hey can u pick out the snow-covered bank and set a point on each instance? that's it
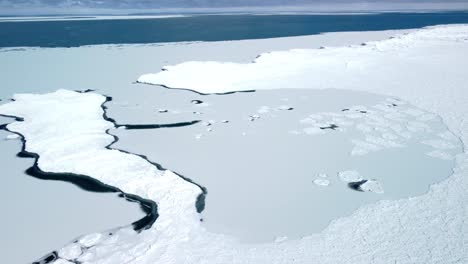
(426, 57)
(427, 229)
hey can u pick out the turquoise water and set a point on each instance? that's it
(207, 28)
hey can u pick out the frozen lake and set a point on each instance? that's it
(284, 163)
(78, 208)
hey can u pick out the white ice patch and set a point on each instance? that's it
(350, 176)
(372, 186)
(90, 240)
(72, 251)
(322, 182)
(12, 137)
(285, 108)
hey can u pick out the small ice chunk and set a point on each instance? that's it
(209, 129)
(198, 136)
(225, 121)
(209, 122)
(254, 117)
(371, 186)
(286, 108)
(12, 137)
(349, 176)
(196, 102)
(71, 251)
(440, 155)
(322, 182)
(163, 111)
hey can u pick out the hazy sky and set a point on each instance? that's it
(64, 6)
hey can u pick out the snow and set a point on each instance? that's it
(380, 63)
(427, 229)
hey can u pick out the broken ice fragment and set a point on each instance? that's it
(350, 176)
(197, 102)
(12, 137)
(322, 182)
(367, 186)
(254, 117)
(285, 107)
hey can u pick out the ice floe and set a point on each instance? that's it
(322, 182)
(367, 186)
(350, 176)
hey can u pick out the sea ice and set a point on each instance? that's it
(402, 230)
(322, 182)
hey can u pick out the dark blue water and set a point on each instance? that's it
(207, 28)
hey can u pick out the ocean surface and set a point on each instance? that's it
(75, 33)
